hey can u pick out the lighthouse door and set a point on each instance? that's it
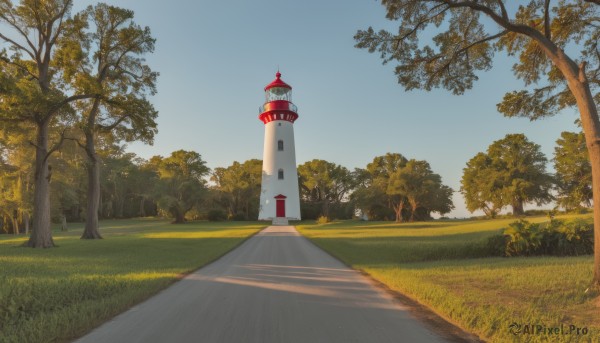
(280, 208)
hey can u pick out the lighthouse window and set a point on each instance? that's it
(280, 145)
(280, 174)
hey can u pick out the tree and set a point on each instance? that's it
(407, 187)
(122, 78)
(573, 171)
(544, 34)
(511, 173)
(369, 199)
(239, 185)
(33, 92)
(479, 188)
(181, 185)
(376, 179)
(324, 183)
(421, 188)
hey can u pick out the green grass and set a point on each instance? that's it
(442, 265)
(58, 294)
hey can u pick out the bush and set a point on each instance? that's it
(557, 238)
(524, 238)
(575, 238)
(216, 215)
(322, 220)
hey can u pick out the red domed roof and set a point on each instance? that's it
(277, 83)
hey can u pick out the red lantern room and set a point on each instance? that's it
(278, 102)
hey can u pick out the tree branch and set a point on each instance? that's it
(459, 51)
(57, 145)
(13, 23)
(547, 31)
(503, 9)
(18, 46)
(76, 141)
(69, 100)
(550, 48)
(423, 21)
(20, 67)
(107, 128)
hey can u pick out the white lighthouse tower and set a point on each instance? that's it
(279, 196)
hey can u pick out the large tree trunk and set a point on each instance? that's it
(41, 235)
(594, 151)
(91, 230)
(178, 215)
(579, 86)
(93, 195)
(517, 206)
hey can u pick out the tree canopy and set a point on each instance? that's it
(239, 188)
(407, 187)
(573, 171)
(181, 185)
(324, 184)
(511, 173)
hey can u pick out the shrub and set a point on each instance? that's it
(216, 215)
(557, 238)
(524, 238)
(576, 238)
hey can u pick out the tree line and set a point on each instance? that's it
(509, 174)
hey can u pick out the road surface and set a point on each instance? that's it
(275, 287)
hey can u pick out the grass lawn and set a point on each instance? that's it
(58, 294)
(442, 264)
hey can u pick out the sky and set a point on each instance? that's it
(215, 57)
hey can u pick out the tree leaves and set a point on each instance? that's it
(573, 171)
(511, 173)
(468, 34)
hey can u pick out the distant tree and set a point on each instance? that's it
(573, 171)
(539, 32)
(513, 173)
(479, 186)
(407, 187)
(142, 179)
(369, 199)
(421, 188)
(373, 184)
(239, 187)
(181, 185)
(324, 183)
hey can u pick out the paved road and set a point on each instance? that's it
(276, 287)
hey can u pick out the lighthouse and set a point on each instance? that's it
(279, 196)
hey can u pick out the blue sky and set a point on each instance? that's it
(215, 57)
